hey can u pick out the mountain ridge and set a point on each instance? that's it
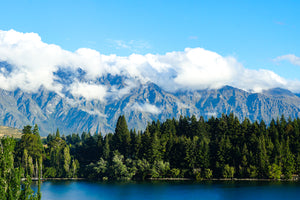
(140, 105)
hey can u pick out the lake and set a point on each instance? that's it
(187, 190)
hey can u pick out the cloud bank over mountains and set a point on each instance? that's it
(35, 64)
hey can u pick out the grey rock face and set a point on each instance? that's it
(140, 105)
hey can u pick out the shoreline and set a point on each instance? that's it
(64, 179)
(175, 179)
(223, 179)
(57, 179)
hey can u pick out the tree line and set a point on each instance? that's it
(186, 147)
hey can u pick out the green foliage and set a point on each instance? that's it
(121, 138)
(36, 131)
(118, 169)
(175, 172)
(288, 161)
(101, 167)
(252, 171)
(188, 147)
(29, 151)
(228, 171)
(197, 173)
(10, 176)
(143, 169)
(74, 168)
(58, 157)
(274, 171)
(27, 129)
(297, 164)
(160, 169)
(67, 162)
(207, 174)
(57, 133)
(193, 148)
(32, 144)
(50, 172)
(106, 148)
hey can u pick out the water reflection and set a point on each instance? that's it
(172, 190)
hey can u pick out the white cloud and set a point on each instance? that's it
(211, 114)
(116, 93)
(258, 80)
(183, 106)
(131, 45)
(94, 112)
(89, 91)
(146, 107)
(200, 69)
(35, 62)
(290, 58)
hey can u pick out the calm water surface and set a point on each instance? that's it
(80, 190)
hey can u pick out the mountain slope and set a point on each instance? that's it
(10, 132)
(140, 104)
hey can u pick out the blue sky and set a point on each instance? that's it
(254, 32)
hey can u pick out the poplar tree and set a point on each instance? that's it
(10, 176)
(67, 161)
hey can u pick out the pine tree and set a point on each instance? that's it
(31, 142)
(262, 157)
(136, 142)
(155, 148)
(36, 130)
(57, 133)
(145, 151)
(288, 166)
(106, 148)
(27, 130)
(121, 137)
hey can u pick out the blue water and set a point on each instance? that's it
(80, 190)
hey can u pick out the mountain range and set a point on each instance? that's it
(141, 103)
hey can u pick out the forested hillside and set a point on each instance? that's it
(189, 147)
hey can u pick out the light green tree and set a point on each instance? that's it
(207, 174)
(228, 171)
(101, 168)
(160, 169)
(10, 177)
(30, 166)
(74, 168)
(118, 169)
(275, 171)
(67, 161)
(143, 168)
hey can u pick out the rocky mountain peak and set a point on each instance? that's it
(140, 103)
